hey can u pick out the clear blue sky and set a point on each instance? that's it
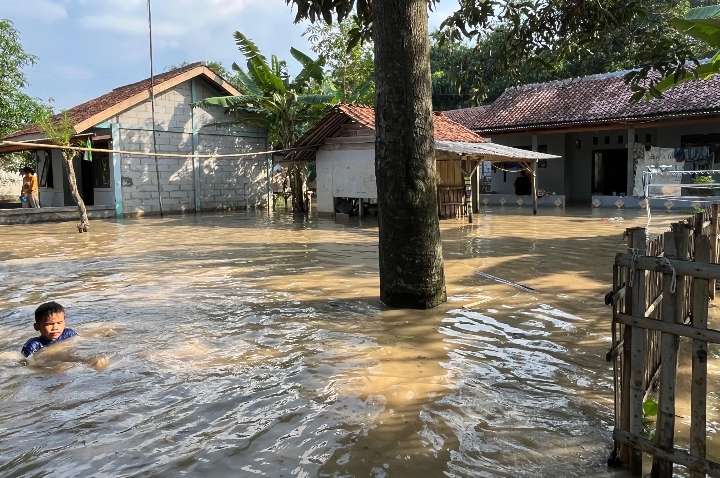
(88, 47)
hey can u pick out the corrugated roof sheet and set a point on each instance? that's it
(490, 151)
(593, 99)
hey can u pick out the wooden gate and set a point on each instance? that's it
(661, 291)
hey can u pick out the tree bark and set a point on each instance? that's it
(298, 188)
(84, 225)
(411, 264)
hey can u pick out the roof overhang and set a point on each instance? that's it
(602, 125)
(492, 152)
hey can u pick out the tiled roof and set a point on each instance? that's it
(590, 100)
(90, 108)
(445, 128)
(465, 116)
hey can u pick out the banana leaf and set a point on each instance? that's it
(246, 80)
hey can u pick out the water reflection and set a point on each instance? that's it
(245, 345)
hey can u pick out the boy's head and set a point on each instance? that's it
(50, 320)
(28, 170)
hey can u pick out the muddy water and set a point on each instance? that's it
(242, 345)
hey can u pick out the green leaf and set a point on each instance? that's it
(650, 408)
(246, 80)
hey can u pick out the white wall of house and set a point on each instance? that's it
(51, 196)
(551, 178)
(224, 182)
(572, 175)
(10, 185)
(344, 173)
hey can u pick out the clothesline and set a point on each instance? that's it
(141, 153)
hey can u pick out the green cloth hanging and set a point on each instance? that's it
(89, 153)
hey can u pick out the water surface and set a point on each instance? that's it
(242, 345)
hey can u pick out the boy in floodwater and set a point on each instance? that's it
(50, 322)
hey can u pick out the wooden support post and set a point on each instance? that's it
(468, 197)
(534, 174)
(714, 212)
(636, 338)
(626, 360)
(676, 247)
(698, 393)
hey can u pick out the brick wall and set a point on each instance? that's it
(224, 183)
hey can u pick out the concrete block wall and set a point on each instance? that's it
(224, 183)
(229, 183)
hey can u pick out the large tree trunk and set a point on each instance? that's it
(84, 224)
(411, 264)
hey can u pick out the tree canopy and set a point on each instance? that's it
(17, 109)
(350, 70)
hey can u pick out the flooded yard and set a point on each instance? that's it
(247, 345)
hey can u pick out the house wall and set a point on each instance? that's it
(551, 178)
(55, 196)
(344, 173)
(225, 183)
(572, 175)
(10, 185)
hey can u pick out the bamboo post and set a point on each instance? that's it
(635, 336)
(534, 186)
(626, 358)
(698, 392)
(676, 243)
(468, 197)
(714, 212)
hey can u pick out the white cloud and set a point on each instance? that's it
(44, 11)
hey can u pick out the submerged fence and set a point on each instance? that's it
(661, 292)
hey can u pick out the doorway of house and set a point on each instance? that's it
(609, 172)
(87, 191)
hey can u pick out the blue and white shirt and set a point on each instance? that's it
(37, 343)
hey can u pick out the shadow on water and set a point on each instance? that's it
(244, 345)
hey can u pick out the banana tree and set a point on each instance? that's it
(702, 24)
(284, 107)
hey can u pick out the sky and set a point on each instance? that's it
(88, 47)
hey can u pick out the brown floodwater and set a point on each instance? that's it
(247, 345)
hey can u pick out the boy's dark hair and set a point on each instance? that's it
(48, 309)
(28, 169)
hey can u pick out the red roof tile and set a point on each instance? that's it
(445, 128)
(593, 99)
(90, 108)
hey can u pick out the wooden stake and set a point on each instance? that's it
(714, 212)
(626, 360)
(636, 337)
(698, 392)
(675, 244)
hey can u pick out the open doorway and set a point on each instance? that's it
(609, 172)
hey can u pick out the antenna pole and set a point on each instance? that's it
(152, 109)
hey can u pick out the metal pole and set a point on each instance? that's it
(152, 109)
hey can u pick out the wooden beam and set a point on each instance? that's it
(636, 363)
(675, 456)
(658, 264)
(347, 147)
(350, 139)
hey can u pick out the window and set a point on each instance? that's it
(595, 140)
(607, 139)
(46, 173)
(648, 138)
(621, 139)
(101, 168)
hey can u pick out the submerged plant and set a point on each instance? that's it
(650, 409)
